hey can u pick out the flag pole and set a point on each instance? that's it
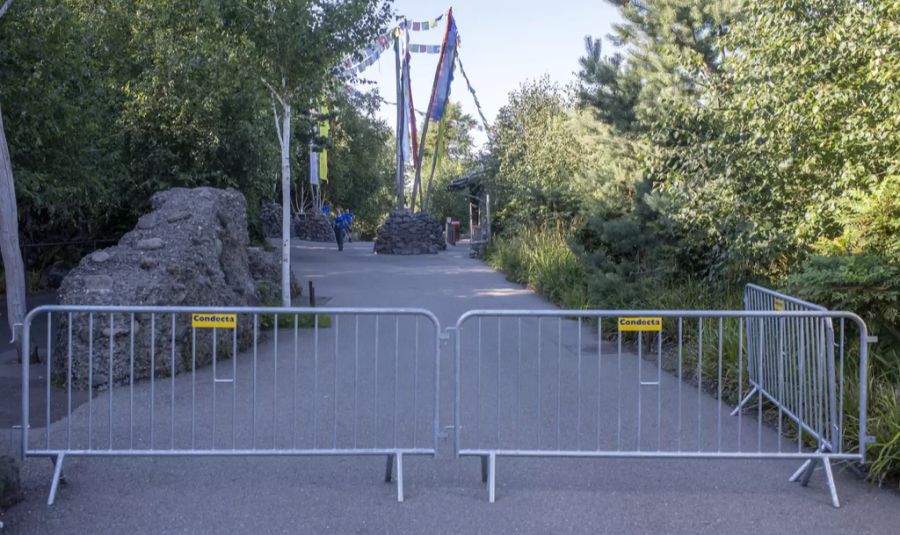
(400, 119)
(437, 74)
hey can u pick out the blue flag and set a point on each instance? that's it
(445, 71)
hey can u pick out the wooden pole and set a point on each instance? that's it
(400, 122)
(437, 74)
(434, 159)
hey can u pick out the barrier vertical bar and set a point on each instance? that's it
(234, 350)
(355, 380)
(68, 389)
(599, 373)
(740, 397)
(275, 385)
(294, 385)
(578, 397)
(699, 384)
(640, 383)
(396, 377)
(558, 379)
(109, 379)
(499, 353)
(172, 372)
(680, 378)
(90, 381)
(215, 359)
(719, 396)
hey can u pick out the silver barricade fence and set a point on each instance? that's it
(223, 381)
(624, 383)
(805, 347)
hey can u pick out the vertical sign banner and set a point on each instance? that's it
(313, 167)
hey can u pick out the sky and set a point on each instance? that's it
(503, 43)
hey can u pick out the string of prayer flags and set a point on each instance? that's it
(425, 49)
(472, 90)
(421, 26)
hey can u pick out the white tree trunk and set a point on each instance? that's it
(13, 267)
(285, 204)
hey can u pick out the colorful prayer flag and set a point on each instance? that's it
(441, 91)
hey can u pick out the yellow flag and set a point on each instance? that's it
(323, 166)
(324, 129)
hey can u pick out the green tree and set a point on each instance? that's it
(535, 156)
(295, 45)
(454, 158)
(360, 164)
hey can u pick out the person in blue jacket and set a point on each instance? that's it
(340, 227)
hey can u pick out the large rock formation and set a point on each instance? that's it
(404, 233)
(265, 267)
(191, 250)
(270, 218)
(314, 227)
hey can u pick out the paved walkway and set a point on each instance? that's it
(313, 495)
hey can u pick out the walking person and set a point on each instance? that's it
(340, 226)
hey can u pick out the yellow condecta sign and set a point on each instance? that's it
(201, 320)
(779, 304)
(640, 324)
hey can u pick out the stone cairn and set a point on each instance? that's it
(404, 233)
(191, 250)
(314, 227)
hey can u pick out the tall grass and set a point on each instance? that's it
(544, 262)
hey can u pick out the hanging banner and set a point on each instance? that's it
(323, 166)
(441, 90)
(313, 167)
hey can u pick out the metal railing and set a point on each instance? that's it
(212, 381)
(636, 383)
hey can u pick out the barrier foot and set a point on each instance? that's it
(800, 471)
(744, 401)
(400, 477)
(484, 468)
(492, 477)
(57, 476)
(804, 479)
(389, 468)
(829, 477)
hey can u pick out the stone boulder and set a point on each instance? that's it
(404, 233)
(190, 250)
(10, 483)
(270, 218)
(265, 267)
(314, 227)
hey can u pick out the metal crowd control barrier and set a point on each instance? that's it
(804, 347)
(623, 383)
(329, 381)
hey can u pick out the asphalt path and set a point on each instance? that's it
(368, 384)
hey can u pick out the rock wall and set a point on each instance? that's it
(190, 250)
(404, 234)
(314, 227)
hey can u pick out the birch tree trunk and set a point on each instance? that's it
(285, 140)
(13, 266)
